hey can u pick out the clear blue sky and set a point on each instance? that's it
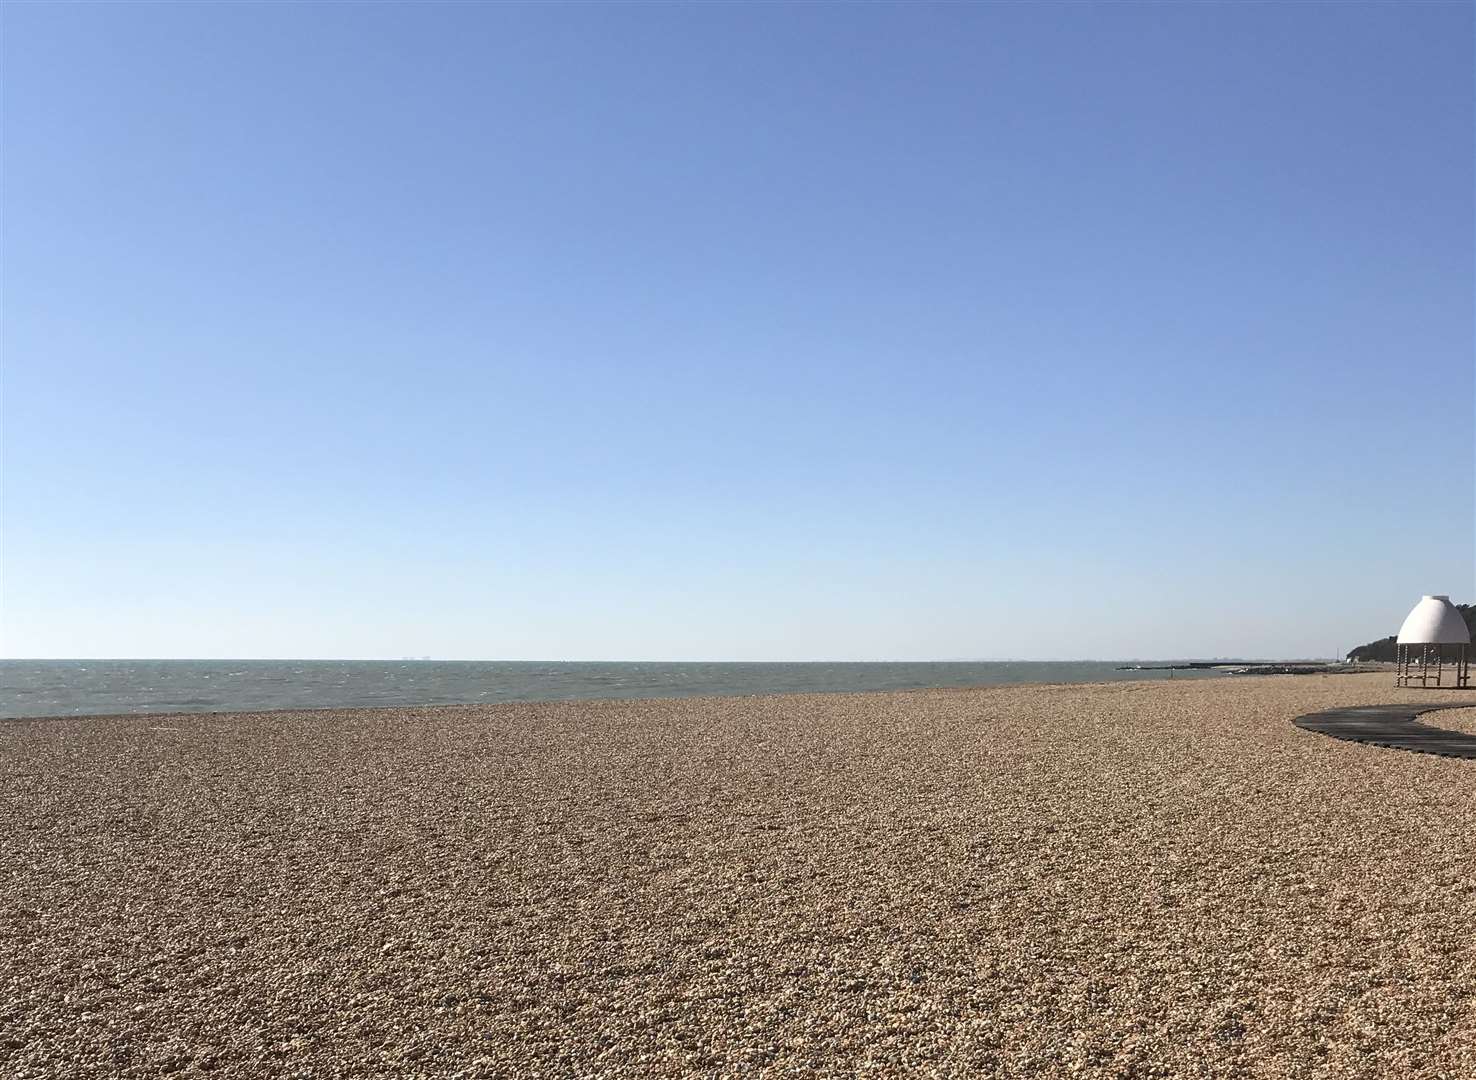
(734, 332)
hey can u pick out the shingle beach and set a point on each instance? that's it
(1131, 879)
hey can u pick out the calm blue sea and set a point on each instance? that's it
(93, 687)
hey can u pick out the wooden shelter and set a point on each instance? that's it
(1433, 635)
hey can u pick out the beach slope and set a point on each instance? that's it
(1130, 879)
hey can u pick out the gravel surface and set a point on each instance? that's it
(1130, 879)
(1463, 720)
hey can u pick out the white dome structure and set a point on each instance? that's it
(1433, 632)
(1434, 621)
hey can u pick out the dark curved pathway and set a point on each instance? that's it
(1393, 726)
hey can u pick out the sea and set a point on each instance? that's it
(31, 688)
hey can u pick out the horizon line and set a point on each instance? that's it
(486, 660)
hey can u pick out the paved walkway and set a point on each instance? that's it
(1393, 726)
